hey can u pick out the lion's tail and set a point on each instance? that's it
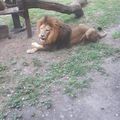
(101, 33)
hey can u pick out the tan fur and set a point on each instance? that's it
(84, 33)
(78, 34)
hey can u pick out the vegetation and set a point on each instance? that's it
(116, 35)
(84, 59)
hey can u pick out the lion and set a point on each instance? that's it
(55, 34)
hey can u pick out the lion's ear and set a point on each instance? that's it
(58, 23)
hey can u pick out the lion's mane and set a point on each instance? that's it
(60, 35)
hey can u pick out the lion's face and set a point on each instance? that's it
(44, 31)
(48, 29)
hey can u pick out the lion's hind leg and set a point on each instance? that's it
(91, 35)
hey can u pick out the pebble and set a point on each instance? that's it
(116, 115)
(62, 116)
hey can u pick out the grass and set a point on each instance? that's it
(103, 13)
(84, 59)
(74, 85)
(116, 35)
(2, 67)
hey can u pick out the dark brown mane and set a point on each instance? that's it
(63, 30)
(64, 37)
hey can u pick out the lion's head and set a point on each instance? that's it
(52, 31)
(48, 29)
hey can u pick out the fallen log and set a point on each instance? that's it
(67, 9)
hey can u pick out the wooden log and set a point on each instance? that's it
(2, 6)
(68, 9)
(27, 20)
(4, 31)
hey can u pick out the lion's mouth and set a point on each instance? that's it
(42, 40)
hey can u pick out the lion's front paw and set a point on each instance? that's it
(36, 45)
(30, 51)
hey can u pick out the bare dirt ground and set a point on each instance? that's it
(101, 101)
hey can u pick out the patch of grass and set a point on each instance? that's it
(1, 116)
(116, 35)
(74, 85)
(103, 13)
(36, 62)
(84, 59)
(29, 90)
(2, 67)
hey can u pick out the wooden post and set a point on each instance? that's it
(16, 21)
(27, 19)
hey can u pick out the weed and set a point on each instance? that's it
(47, 104)
(73, 85)
(36, 62)
(1, 116)
(3, 67)
(116, 35)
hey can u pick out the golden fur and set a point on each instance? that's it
(53, 33)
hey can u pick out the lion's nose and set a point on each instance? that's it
(42, 36)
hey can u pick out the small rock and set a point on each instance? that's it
(62, 116)
(25, 64)
(102, 108)
(116, 115)
(33, 115)
(71, 115)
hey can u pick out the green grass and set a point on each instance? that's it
(103, 13)
(3, 67)
(1, 116)
(74, 85)
(84, 59)
(116, 35)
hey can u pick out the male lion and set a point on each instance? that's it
(54, 34)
